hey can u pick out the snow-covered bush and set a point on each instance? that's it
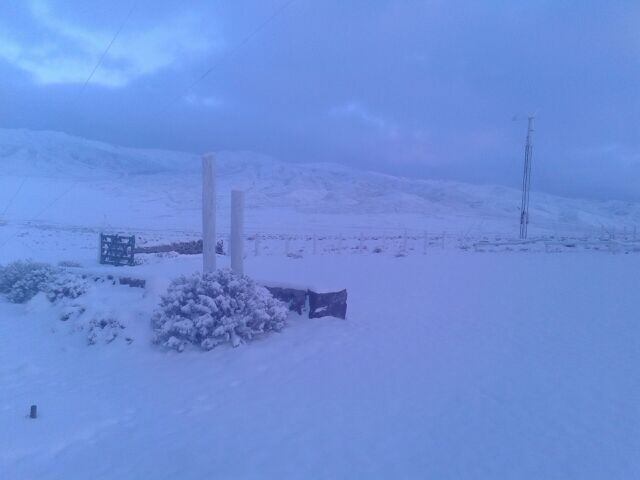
(104, 330)
(69, 264)
(22, 280)
(212, 309)
(65, 285)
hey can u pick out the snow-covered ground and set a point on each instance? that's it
(456, 365)
(471, 356)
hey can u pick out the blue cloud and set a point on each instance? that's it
(414, 87)
(69, 51)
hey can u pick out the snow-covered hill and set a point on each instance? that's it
(152, 188)
(53, 154)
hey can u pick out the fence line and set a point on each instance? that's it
(398, 242)
(402, 244)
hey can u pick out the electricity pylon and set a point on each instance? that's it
(526, 181)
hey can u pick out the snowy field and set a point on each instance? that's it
(456, 365)
(466, 354)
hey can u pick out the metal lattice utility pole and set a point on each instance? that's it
(526, 181)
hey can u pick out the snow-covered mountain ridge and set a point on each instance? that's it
(169, 181)
(54, 154)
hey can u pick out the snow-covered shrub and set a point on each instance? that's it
(72, 312)
(65, 285)
(104, 330)
(22, 280)
(212, 309)
(69, 264)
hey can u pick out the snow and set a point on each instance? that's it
(450, 366)
(83, 183)
(477, 357)
(208, 310)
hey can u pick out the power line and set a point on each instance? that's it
(84, 86)
(106, 51)
(15, 195)
(43, 210)
(230, 53)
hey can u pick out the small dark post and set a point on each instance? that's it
(34, 411)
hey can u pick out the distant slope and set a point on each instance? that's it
(53, 154)
(152, 187)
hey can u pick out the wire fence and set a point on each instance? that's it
(406, 244)
(385, 241)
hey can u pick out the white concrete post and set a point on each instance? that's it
(237, 232)
(208, 214)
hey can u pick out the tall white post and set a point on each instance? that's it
(208, 214)
(237, 232)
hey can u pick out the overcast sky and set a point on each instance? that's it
(414, 87)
